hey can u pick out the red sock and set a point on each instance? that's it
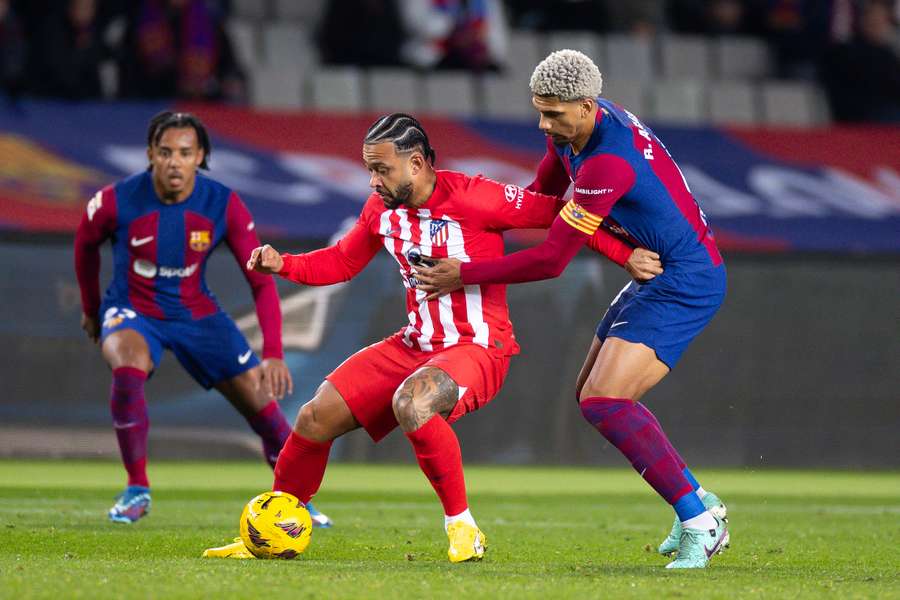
(439, 456)
(129, 416)
(301, 466)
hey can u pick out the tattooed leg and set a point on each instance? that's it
(427, 392)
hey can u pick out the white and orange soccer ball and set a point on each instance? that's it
(275, 525)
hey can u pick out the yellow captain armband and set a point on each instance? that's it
(582, 220)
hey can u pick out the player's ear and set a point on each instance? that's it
(416, 162)
(587, 104)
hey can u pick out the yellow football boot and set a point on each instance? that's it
(467, 542)
(234, 550)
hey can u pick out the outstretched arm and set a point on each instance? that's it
(552, 179)
(327, 266)
(602, 181)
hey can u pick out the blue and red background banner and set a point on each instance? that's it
(301, 173)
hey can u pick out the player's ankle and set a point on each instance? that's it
(704, 520)
(465, 516)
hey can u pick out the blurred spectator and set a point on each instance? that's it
(572, 15)
(716, 17)
(862, 76)
(361, 32)
(67, 61)
(799, 31)
(455, 34)
(637, 17)
(13, 51)
(179, 48)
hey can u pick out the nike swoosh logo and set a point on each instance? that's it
(711, 551)
(140, 242)
(617, 324)
(243, 358)
(250, 226)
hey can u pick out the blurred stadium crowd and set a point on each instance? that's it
(689, 61)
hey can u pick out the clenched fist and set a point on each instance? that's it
(265, 259)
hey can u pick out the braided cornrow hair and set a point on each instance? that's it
(406, 133)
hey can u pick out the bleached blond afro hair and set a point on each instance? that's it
(568, 75)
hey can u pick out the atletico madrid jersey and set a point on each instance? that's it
(464, 218)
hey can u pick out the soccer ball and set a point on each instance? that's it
(275, 525)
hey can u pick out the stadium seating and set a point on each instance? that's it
(741, 58)
(675, 79)
(629, 93)
(245, 40)
(275, 87)
(338, 89)
(628, 57)
(684, 57)
(307, 11)
(251, 9)
(733, 103)
(394, 90)
(585, 42)
(796, 104)
(506, 97)
(451, 94)
(679, 102)
(288, 45)
(526, 49)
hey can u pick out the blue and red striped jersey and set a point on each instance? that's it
(160, 252)
(626, 181)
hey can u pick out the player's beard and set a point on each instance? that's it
(396, 199)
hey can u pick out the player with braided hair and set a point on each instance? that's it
(452, 356)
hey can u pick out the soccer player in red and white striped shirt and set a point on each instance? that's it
(453, 355)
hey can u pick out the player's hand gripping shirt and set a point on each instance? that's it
(160, 252)
(464, 218)
(625, 182)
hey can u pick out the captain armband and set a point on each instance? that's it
(579, 218)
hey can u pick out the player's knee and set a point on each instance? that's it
(126, 351)
(325, 417)
(307, 424)
(404, 404)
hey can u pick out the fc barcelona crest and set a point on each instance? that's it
(200, 240)
(440, 232)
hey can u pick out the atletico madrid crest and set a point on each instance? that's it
(440, 232)
(200, 240)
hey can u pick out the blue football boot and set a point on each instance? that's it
(131, 505)
(318, 519)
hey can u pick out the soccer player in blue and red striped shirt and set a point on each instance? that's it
(163, 224)
(625, 181)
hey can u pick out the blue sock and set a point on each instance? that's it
(690, 477)
(689, 506)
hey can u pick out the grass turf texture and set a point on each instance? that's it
(552, 533)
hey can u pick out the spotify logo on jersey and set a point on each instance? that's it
(145, 268)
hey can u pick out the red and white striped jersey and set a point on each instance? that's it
(464, 218)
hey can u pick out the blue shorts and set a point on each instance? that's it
(211, 349)
(667, 312)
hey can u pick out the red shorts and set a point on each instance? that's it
(368, 379)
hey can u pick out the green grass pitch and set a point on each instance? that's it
(552, 533)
